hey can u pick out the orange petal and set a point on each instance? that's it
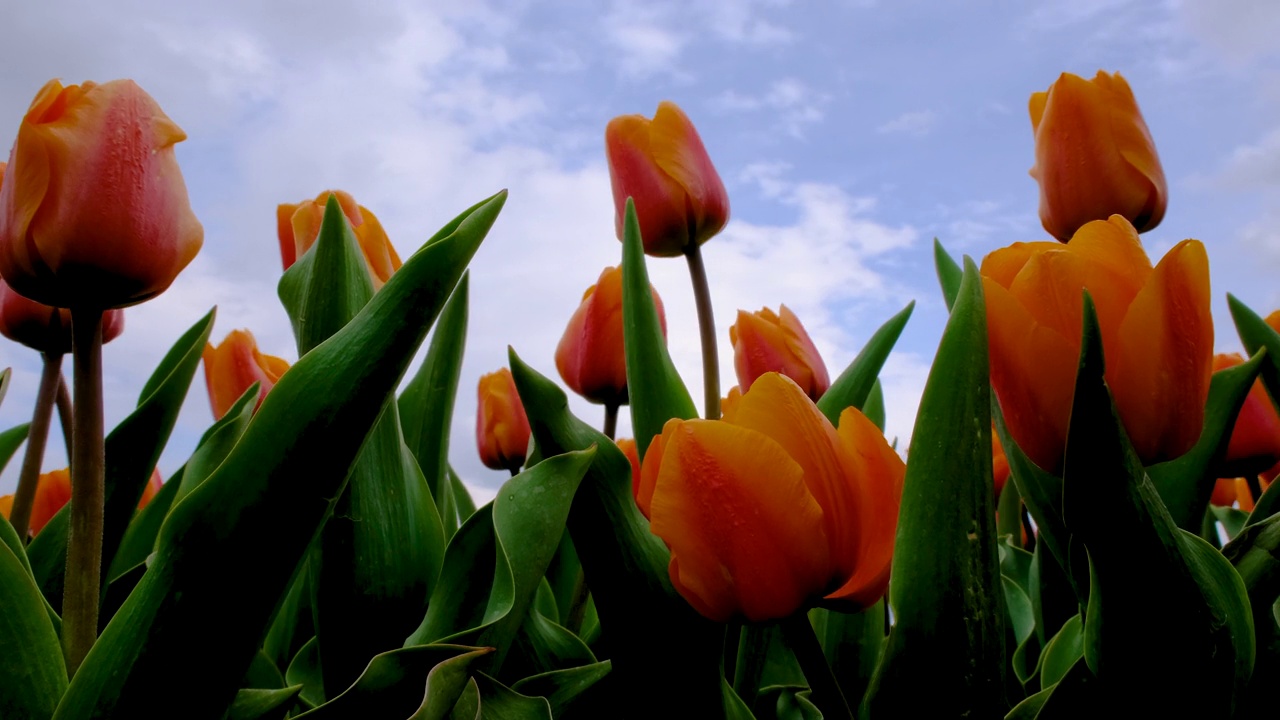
(1003, 265)
(678, 151)
(661, 202)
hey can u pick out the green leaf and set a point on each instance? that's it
(1267, 505)
(262, 704)
(461, 496)
(873, 408)
(30, 653)
(1228, 599)
(140, 537)
(949, 273)
(10, 538)
(403, 683)
(562, 687)
(227, 553)
(1018, 604)
(304, 670)
(944, 591)
(854, 385)
(6, 376)
(1075, 696)
(788, 702)
(655, 389)
(11, 440)
(263, 673)
(852, 643)
(543, 646)
(1009, 513)
(488, 699)
(293, 625)
(1255, 554)
(217, 441)
(1062, 652)
(1232, 519)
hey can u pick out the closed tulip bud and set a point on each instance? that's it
(590, 356)
(502, 428)
(231, 367)
(298, 225)
(662, 165)
(1157, 336)
(53, 490)
(1094, 156)
(45, 328)
(93, 209)
(771, 509)
(765, 341)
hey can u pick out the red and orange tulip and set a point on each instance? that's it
(1157, 336)
(766, 341)
(1255, 440)
(298, 225)
(231, 367)
(502, 428)
(44, 328)
(771, 509)
(53, 490)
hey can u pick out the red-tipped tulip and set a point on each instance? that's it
(44, 328)
(502, 428)
(231, 367)
(765, 341)
(298, 225)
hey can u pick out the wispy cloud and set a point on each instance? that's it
(916, 122)
(795, 105)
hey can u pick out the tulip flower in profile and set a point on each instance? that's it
(43, 328)
(502, 428)
(1157, 336)
(53, 490)
(1255, 439)
(766, 341)
(771, 509)
(298, 225)
(231, 367)
(1094, 156)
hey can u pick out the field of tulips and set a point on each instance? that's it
(1084, 519)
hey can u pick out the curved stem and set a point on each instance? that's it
(65, 414)
(24, 497)
(84, 541)
(798, 634)
(707, 330)
(610, 419)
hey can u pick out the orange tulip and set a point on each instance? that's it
(231, 367)
(628, 448)
(590, 355)
(151, 488)
(93, 210)
(1157, 336)
(44, 328)
(999, 465)
(767, 342)
(1255, 440)
(662, 165)
(298, 225)
(502, 428)
(1094, 156)
(53, 490)
(772, 509)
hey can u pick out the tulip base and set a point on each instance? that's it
(706, 329)
(24, 496)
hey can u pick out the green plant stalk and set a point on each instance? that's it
(65, 414)
(707, 330)
(798, 635)
(753, 648)
(610, 419)
(37, 435)
(88, 467)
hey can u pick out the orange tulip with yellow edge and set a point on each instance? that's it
(231, 367)
(766, 341)
(298, 225)
(771, 510)
(1094, 156)
(1157, 336)
(502, 428)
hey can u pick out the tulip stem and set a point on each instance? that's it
(753, 651)
(610, 419)
(24, 497)
(65, 413)
(88, 466)
(798, 635)
(707, 329)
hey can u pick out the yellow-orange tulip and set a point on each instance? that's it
(298, 225)
(663, 166)
(231, 367)
(1094, 156)
(1156, 330)
(766, 341)
(44, 328)
(771, 509)
(502, 428)
(93, 210)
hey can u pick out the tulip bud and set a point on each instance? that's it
(53, 490)
(768, 342)
(231, 367)
(1255, 439)
(298, 225)
(502, 428)
(93, 210)
(1094, 156)
(662, 165)
(43, 328)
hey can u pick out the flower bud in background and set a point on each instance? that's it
(53, 490)
(151, 488)
(502, 428)
(1255, 439)
(231, 367)
(662, 165)
(629, 448)
(93, 209)
(43, 328)
(590, 356)
(298, 225)
(1094, 156)
(767, 342)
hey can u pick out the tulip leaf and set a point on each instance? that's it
(226, 555)
(852, 643)
(305, 670)
(1018, 604)
(1009, 511)
(873, 408)
(543, 645)
(626, 567)
(293, 625)
(6, 376)
(262, 673)
(30, 652)
(1255, 554)
(401, 683)
(945, 593)
(854, 385)
(10, 441)
(655, 389)
(1062, 652)
(426, 405)
(217, 441)
(488, 699)
(1233, 520)
(140, 537)
(262, 704)
(461, 496)
(949, 273)
(1075, 696)
(562, 687)
(9, 537)
(1051, 594)
(1267, 505)
(787, 702)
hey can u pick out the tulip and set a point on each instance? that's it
(53, 490)
(767, 342)
(502, 428)
(43, 328)
(629, 448)
(298, 225)
(662, 165)
(1094, 156)
(590, 355)
(93, 210)
(1156, 330)
(231, 367)
(1255, 440)
(771, 509)
(999, 465)
(151, 488)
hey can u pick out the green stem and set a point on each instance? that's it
(753, 651)
(84, 541)
(24, 497)
(798, 635)
(65, 412)
(610, 419)
(578, 603)
(707, 330)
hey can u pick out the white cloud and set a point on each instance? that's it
(1244, 31)
(916, 122)
(644, 35)
(1253, 166)
(794, 104)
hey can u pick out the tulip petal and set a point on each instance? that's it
(284, 232)
(661, 202)
(651, 467)
(1135, 144)
(679, 151)
(1003, 265)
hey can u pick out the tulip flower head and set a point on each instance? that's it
(1157, 337)
(766, 341)
(53, 490)
(1255, 439)
(231, 367)
(93, 209)
(662, 165)
(629, 448)
(298, 225)
(43, 328)
(771, 509)
(1094, 156)
(502, 428)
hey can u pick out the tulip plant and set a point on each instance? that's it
(1065, 534)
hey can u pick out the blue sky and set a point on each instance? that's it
(849, 135)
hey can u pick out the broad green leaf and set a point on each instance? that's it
(1228, 599)
(466, 581)
(461, 496)
(292, 626)
(1062, 652)
(852, 643)
(854, 385)
(873, 408)
(217, 441)
(117, 591)
(1267, 505)
(1232, 519)
(1029, 708)
(9, 537)
(10, 441)
(1026, 663)
(562, 687)
(1255, 554)
(305, 670)
(34, 676)
(140, 537)
(787, 702)
(5, 377)
(945, 593)
(262, 704)
(488, 699)
(227, 553)
(263, 673)
(764, 659)
(396, 683)
(1076, 695)
(1051, 594)
(1019, 608)
(1015, 563)
(949, 273)
(543, 645)
(1009, 512)
(568, 584)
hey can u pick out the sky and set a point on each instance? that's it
(849, 134)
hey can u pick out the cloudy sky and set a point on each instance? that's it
(849, 134)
